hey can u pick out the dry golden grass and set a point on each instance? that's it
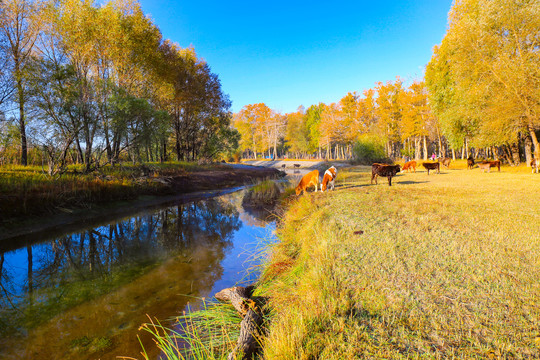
(433, 267)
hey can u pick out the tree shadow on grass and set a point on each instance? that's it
(409, 182)
(351, 186)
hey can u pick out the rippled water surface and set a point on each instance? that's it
(83, 295)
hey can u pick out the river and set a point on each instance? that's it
(84, 294)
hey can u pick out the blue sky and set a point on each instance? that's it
(292, 53)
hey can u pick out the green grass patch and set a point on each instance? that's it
(438, 266)
(86, 344)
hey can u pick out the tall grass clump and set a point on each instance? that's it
(263, 194)
(444, 266)
(209, 333)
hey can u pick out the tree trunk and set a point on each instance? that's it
(425, 148)
(528, 152)
(534, 141)
(22, 123)
(247, 343)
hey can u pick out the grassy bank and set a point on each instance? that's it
(436, 266)
(27, 191)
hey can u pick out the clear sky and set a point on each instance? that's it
(292, 53)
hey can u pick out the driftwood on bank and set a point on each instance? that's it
(240, 297)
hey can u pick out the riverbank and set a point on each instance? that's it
(31, 201)
(435, 266)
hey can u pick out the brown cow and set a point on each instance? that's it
(384, 170)
(310, 179)
(432, 166)
(470, 163)
(445, 161)
(535, 165)
(409, 165)
(484, 166)
(495, 163)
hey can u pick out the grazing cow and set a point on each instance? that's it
(384, 170)
(445, 161)
(310, 179)
(328, 178)
(484, 166)
(409, 165)
(432, 166)
(495, 163)
(535, 165)
(470, 163)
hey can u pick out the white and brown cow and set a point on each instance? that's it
(535, 165)
(328, 178)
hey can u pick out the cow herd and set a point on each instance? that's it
(389, 171)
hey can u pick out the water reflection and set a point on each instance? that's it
(96, 283)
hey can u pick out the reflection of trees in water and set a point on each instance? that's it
(71, 269)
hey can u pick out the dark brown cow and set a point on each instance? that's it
(470, 163)
(384, 170)
(445, 162)
(495, 163)
(432, 166)
(409, 165)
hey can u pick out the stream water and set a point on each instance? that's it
(84, 294)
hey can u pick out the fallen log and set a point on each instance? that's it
(240, 297)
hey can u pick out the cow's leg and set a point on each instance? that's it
(389, 180)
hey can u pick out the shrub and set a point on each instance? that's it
(368, 150)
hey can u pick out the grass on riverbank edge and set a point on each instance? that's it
(27, 191)
(438, 266)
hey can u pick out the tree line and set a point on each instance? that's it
(480, 96)
(391, 117)
(94, 84)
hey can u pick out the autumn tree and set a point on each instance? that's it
(484, 78)
(258, 126)
(297, 133)
(20, 26)
(313, 123)
(389, 113)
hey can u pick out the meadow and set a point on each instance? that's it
(438, 266)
